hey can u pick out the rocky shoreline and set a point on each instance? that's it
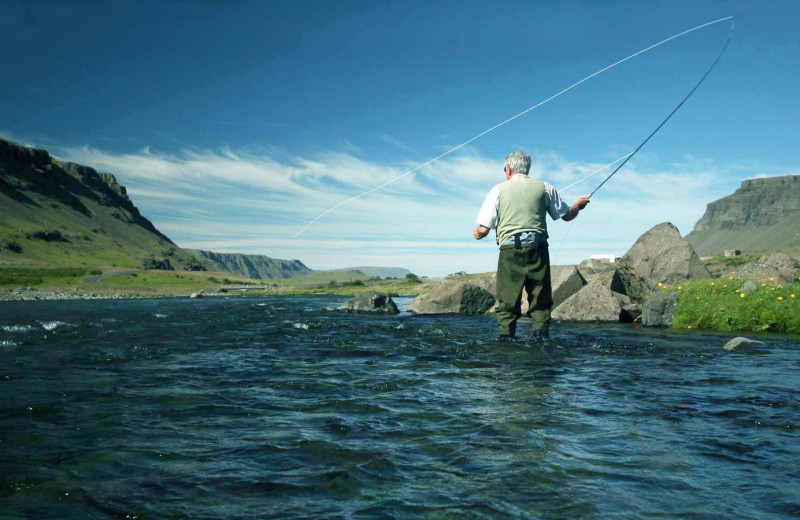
(32, 294)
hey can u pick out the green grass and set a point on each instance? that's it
(17, 277)
(716, 305)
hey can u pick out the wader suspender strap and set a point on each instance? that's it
(517, 243)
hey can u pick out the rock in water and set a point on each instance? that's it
(595, 302)
(661, 255)
(453, 297)
(622, 278)
(370, 302)
(741, 344)
(659, 311)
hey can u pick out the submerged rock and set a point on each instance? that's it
(372, 302)
(661, 255)
(659, 311)
(742, 344)
(453, 297)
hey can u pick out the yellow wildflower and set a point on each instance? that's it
(724, 286)
(771, 278)
(741, 295)
(737, 290)
(712, 283)
(679, 287)
(660, 284)
(792, 295)
(780, 298)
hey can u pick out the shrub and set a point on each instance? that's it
(47, 236)
(14, 247)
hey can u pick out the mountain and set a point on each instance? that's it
(55, 213)
(383, 272)
(762, 215)
(253, 266)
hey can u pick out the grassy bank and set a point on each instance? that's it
(718, 304)
(157, 282)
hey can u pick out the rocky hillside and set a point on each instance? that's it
(762, 215)
(252, 266)
(55, 213)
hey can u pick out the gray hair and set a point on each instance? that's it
(518, 162)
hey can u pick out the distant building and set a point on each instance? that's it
(608, 259)
(733, 252)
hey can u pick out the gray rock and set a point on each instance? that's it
(661, 255)
(622, 278)
(488, 282)
(589, 267)
(748, 287)
(741, 344)
(757, 272)
(370, 302)
(565, 280)
(659, 311)
(788, 267)
(453, 297)
(594, 302)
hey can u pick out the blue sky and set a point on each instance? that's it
(235, 123)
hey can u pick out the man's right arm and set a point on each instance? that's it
(575, 209)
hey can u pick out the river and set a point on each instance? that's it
(273, 407)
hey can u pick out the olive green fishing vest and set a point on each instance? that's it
(522, 207)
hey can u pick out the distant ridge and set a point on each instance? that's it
(56, 213)
(253, 266)
(383, 272)
(762, 215)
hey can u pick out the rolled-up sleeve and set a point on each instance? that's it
(556, 207)
(487, 216)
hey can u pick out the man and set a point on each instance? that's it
(516, 209)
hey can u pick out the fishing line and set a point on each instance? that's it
(719, 56)
(537, 105)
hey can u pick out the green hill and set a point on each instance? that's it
(61, 214)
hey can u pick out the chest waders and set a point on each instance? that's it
(523, 265)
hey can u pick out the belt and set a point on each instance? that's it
(528, 238)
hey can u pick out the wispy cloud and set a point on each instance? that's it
(242, 201)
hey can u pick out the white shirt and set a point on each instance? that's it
(487, 216)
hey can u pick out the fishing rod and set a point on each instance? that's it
(714, 64)
(498, 125)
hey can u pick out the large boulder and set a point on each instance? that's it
(595, 302)
(661, 255)
(622, 278)
(371, 302)
(488, 282)
(453, 297)
(659, 310)
(788, 267)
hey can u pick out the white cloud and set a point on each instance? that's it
(241, 201)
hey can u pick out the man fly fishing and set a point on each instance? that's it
(516, 209)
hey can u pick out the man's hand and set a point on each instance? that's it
(480, 232)
(575, 208)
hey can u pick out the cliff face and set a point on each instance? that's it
(762, 215)
(253, 266)
(55, 213)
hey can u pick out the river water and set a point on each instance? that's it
(275, 408)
